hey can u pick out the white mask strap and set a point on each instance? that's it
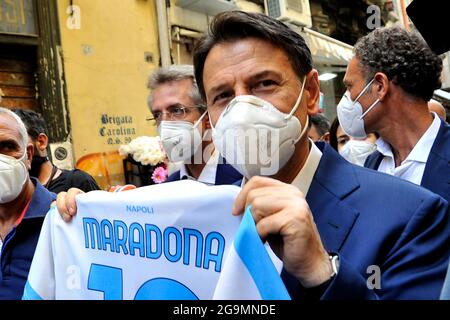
(363, 90)
(24, 156)
(370, 108)
(199, 119)
(210, 122)
(298, 100)
(304, 129)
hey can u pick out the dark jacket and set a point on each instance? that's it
(436, 176)
(225, 174)
(374, 220)
(20, 243)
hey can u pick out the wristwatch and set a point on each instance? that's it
(334, 261)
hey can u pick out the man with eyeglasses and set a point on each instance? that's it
(183, 124)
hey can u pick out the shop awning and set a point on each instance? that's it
(326, 50)
(442, 94)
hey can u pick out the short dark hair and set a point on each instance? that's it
(33, 121)
(321, 123)
(236, 25)
(404, 57)
(333, 133)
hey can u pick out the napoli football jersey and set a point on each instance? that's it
(168, 241)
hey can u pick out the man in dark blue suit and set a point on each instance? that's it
(414, 144)
(183, 125)
(342, 232)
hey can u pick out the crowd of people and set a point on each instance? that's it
(371, 189)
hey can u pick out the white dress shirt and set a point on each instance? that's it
(413, 167)
(305, 176)
(208, 174)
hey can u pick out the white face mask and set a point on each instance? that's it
(180, 139)
(255, 137)
(350, 114)
(357, 151)
(13, 176)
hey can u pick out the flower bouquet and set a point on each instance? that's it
(147, 156)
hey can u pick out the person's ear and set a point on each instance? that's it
(42, 142)
(380, 87)
(312, 92)
(326, 137)
(30, 153)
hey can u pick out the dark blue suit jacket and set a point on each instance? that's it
(436, 176)
(225, 174)
(373, 219)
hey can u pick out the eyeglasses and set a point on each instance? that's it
(175, 112)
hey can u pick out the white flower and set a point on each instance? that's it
(146, 150)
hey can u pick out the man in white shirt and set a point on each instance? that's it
(414, 144)
(183, 124)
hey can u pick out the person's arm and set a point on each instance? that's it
(283, 217)
(67, 205)
(415, 266)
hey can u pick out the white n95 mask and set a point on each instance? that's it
(255, 137)
(180, 139)
(357, 151)
(350, 114)
(13, 176)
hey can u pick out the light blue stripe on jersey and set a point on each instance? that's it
(29, 293)
(253, 254)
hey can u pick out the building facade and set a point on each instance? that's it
(84, 64)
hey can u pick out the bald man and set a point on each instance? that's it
(24, 203)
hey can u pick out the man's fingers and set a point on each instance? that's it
(61, 203)
(66, 204)
(253, 183)
(71, 203)
(272, 224)
(66, 217)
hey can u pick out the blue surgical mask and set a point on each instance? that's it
(350, 114)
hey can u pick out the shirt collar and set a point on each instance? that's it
(208, 174)
(40, 201)
(304, 178)
(421, 150)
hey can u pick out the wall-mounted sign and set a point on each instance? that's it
(17, 17)
(117, 129)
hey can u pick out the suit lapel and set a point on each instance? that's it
(334, 180)
(435, 176)
(226, 174)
